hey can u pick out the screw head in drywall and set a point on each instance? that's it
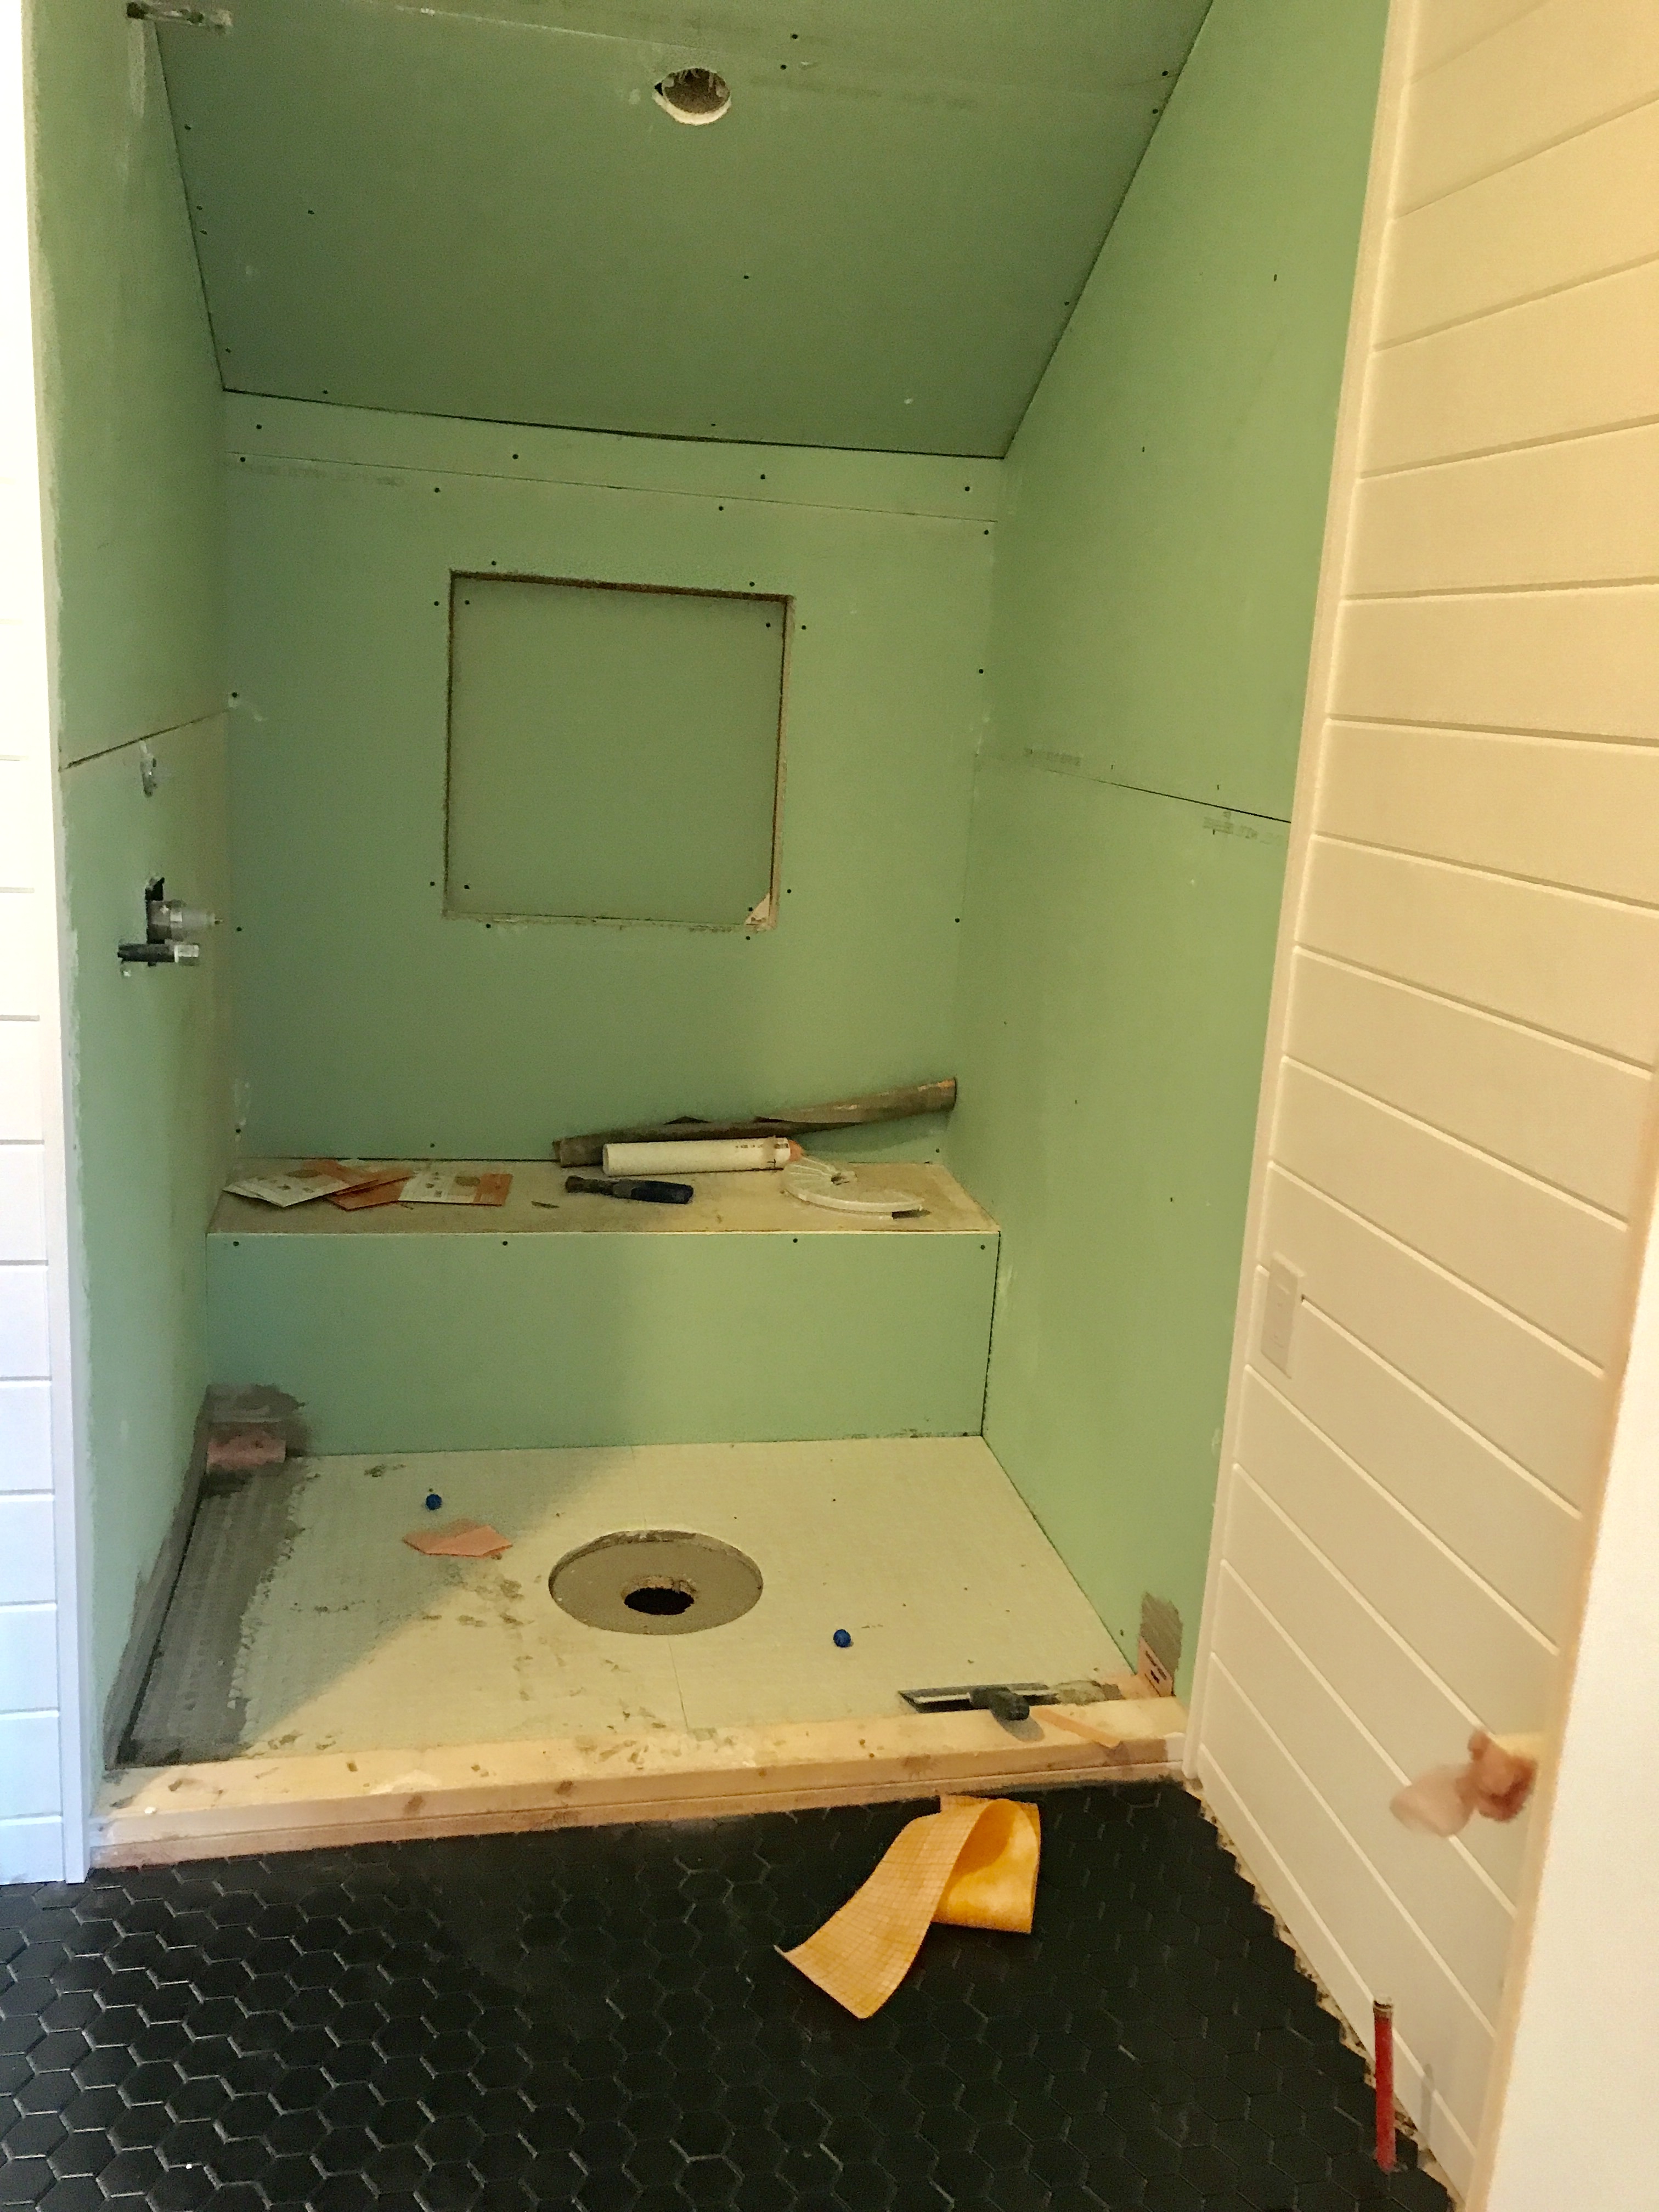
(432, 1501)
(841, 1639)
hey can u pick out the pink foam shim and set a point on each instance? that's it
(459, 1540)
(235, 1451)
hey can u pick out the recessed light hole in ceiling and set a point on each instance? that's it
(693, 95)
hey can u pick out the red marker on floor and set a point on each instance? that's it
(1382, 2017)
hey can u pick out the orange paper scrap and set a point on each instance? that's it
(360, 1174)
(385, 1191)
(972, 1864)
(311, 1179)
(433, 1187)
(459, 1540)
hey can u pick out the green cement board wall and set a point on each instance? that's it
(370, 1022)
(470, 1342)
(130, 391)
(132, 464)
(152, 1097)
(1155, 579)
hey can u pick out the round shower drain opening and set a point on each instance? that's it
(655, 1582)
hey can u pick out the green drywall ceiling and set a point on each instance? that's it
(151, 1100)
(469, 1343)
(1152, 609)
(1165, 500)
(368, 1020)
(476, 206)
(130, 391)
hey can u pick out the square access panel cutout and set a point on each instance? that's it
(615, 752)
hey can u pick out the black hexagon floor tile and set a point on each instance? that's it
(599, 2020)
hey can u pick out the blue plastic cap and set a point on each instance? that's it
(432, 1501)
(843, 1637)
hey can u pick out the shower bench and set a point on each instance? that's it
(562, 1318)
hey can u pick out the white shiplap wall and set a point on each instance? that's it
(41, 1824)
(1456, 1103)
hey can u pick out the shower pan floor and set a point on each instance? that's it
(314, 1625)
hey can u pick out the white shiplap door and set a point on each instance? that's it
(1452, 1184)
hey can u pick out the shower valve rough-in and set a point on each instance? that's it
(171, 930)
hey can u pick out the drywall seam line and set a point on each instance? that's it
(146, 738)
(990, 1349)
(656, 52)
(1460, 1421)
(1352, 1840)
(1532, 1329)
(382, 469)
(1173, 87)
(1462, 1144)
(1546, 1643)
(1480, 315)
(1056, 764)
(1618, 901)
(661, 48)
(152, 34)
(1474, 1006)
(590, 430)
(1231, 1572)
(1424, 462)
(1531, 153)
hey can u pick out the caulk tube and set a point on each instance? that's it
(707, 1156)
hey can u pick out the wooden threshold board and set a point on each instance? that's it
(154, 1816)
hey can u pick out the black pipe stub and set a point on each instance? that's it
(655, 1582)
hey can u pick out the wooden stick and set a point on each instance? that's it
(1382, 2046)
(151, 1816)
(846, 1114)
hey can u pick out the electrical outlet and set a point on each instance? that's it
(1279, 1312)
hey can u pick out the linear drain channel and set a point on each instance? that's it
(655, 1582)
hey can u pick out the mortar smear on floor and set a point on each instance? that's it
(921, 1547)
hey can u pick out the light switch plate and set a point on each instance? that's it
(1279, 1312)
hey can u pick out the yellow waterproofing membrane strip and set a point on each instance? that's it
(972, 1864)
